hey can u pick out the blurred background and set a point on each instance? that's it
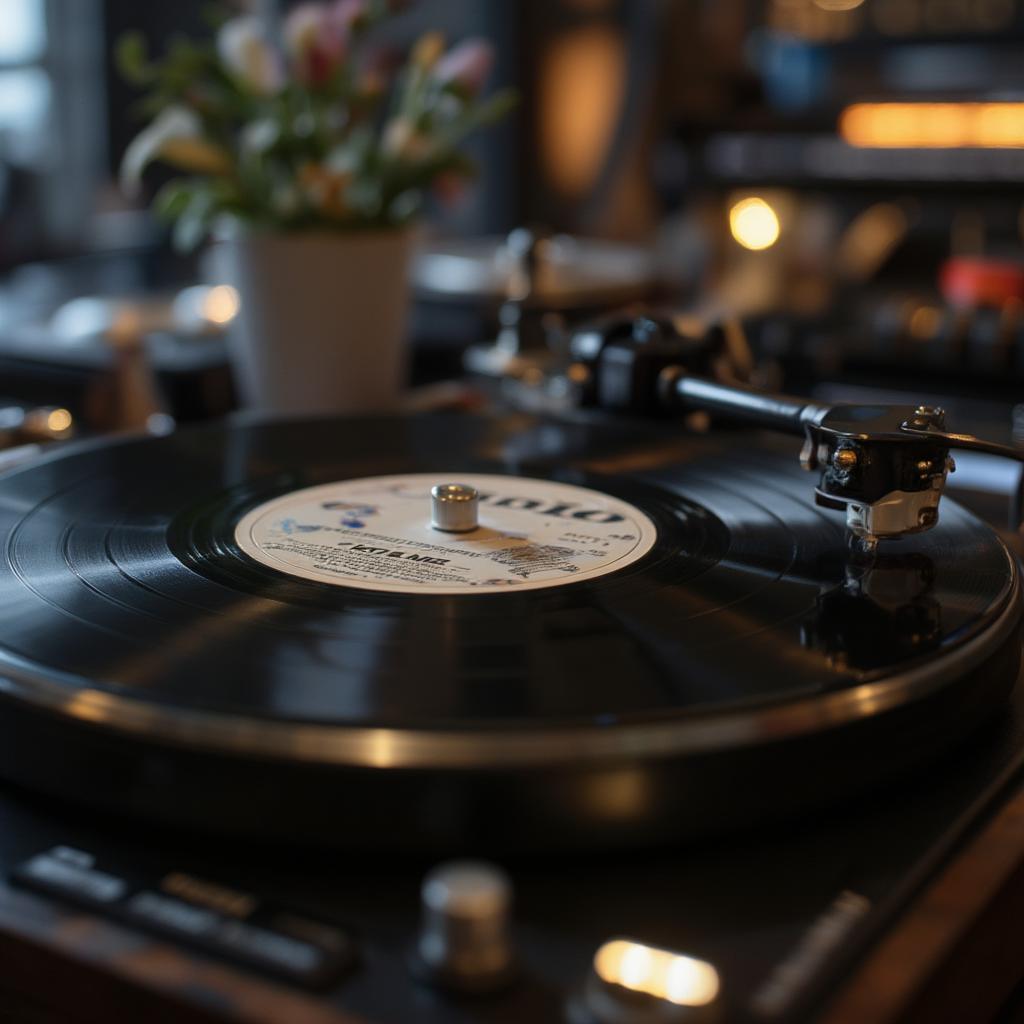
(842, 178)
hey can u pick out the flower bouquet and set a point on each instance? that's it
(310, 144)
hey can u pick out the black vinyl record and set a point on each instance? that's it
(747, 663)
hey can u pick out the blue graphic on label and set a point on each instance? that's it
(353, 516)
(291, 526)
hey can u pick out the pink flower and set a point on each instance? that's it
(347, 14)
(316, 39)
(466, 65)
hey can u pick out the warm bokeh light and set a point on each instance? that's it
(660, 973)
(581, 82)
(58, 421)
(924, 323)
(220, 306)
(933, 125)
(753, 223)
(870, 239)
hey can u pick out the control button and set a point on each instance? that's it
(464, 944)
(454, 508)
(238, 925)
(634, 983)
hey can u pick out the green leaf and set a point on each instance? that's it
(194, 221)
(173, 199)
(131, 58)
(494, 108)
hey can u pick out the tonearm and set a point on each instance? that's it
(885, 465)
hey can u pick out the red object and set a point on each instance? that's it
(975, 281)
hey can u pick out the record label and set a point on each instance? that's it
(375, 533)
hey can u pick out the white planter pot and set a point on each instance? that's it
(321, 326)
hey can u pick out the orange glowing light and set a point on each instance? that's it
(581, 82)
(58, 421)
(660, 973)
(753, 223)
(220, 306)
(933, 125)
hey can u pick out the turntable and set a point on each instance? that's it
(720, 722)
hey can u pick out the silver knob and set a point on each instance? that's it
(453, 507)
(464, 943)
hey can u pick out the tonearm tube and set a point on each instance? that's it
(885, 465)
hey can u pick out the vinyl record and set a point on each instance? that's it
(255, 628)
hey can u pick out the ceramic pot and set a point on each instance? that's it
(321, 325)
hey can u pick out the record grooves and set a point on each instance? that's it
(186, 681)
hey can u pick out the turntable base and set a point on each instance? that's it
(922, 885)
(214, 763)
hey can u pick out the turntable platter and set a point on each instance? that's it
(255, 628)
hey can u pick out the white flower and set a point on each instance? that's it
(404, 142)
(247, 54)
(175, 136)
(258, 136)
(467, 65)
